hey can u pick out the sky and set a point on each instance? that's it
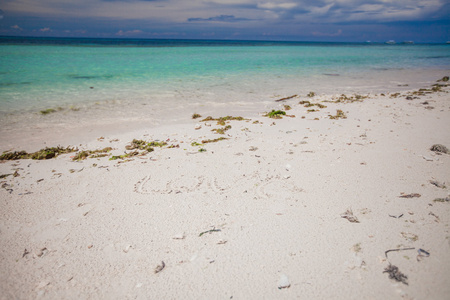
(284, 20)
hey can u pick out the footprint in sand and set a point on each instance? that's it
(186, 184)
(277, 187)
(155, 185)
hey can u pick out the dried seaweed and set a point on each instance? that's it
(349, 216)
(160, 267)
(395, 274)
(438, 148)
(413, 195)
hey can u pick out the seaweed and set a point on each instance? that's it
(46, 153)
(214, 140)
(196, 116)
(439, 148)
(395, 274)
(222, 120)
(309, 104)
(143, 145)
(126, 155)
(287, 107)
(222, 130)
(311, 94)
(275, 114)
(339, 115)
(92, 153)
(14, 155)
(345, 99)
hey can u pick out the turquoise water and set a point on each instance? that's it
(41, 75)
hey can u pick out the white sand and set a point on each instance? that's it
(100, 230)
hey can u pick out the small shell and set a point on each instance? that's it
(198, 126)
(283, 283)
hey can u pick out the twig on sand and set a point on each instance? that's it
(209, 231)
(401, 249)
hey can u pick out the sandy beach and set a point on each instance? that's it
(302, 207)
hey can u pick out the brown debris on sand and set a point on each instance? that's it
(438, 148)
(395, 274)
(349, 216)
(413, 195)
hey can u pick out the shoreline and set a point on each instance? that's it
(268, 212)
(75, 125)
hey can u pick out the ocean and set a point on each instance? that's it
(161, 80)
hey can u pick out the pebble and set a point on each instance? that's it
(283, 282)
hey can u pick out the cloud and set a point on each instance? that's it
(272, 5)
(16, 27)
(46, 29)
(221, 18)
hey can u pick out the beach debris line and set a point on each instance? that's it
(394, 273)
(221, 120)
(349, 216)
(160, 267)
(45, 153)
(91, 154)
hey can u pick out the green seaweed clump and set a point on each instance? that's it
(196, 116)
(222, 130)
(48, 111)
(275, 114)
(14, 155)
(444, 79)
(48, 153)
(214, 140)
(126, 155)
(157, 144)
(311, 94)
(92, 153)
(222, 120)
(339, 115)
(193, 144)
(147, 146)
